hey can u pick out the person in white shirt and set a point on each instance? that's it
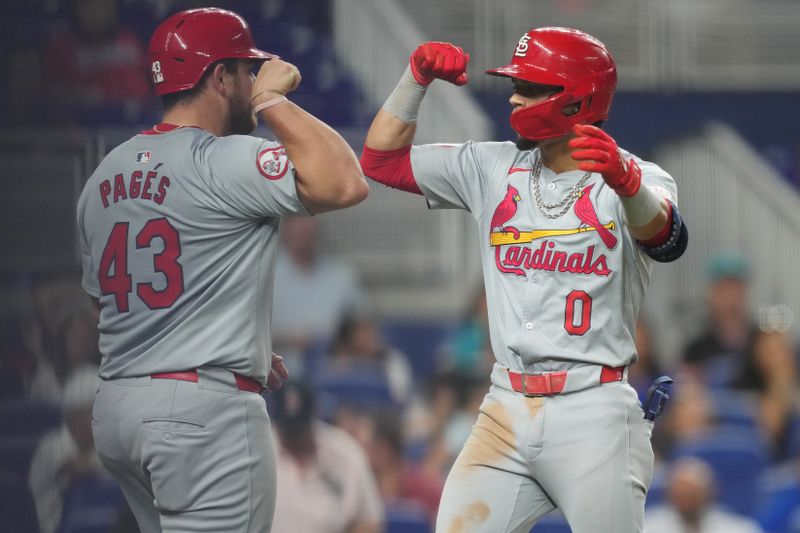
(691, 507)
(320, 464)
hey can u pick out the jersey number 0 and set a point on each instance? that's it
(120, 282)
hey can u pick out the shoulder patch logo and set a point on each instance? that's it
(272, 163)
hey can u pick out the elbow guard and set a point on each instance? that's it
(675, 243)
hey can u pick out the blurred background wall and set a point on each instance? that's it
(708, 89)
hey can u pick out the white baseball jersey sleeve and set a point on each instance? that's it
(561, 292)
(178, 241)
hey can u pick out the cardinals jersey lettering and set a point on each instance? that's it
(561, 292)
(178, 241)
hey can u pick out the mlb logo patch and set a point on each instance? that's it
(143, 157)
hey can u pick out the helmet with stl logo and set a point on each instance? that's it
(187, 43)
(572, 60)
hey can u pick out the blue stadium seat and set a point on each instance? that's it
(357, 389)
(552, 523)
(16, 454)
(16, 506)
(24, 418)
(407, 517)
(738, 458)
(91, 505)
(658, 489)
(419, 341)
(733, 410)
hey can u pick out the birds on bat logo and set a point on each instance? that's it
(517, 258)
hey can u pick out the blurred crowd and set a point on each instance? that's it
(83, 63)
(375, 414)
(376, 410)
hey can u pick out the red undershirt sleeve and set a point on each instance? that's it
(390, 167)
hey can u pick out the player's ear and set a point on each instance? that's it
(220, 79)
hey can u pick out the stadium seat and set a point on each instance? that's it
(733, 411)
(418, 341)
(16, 506)
(91, 505)
(16, 454)
(738, 458)
(357, 388)
(406, 518)
(24, 418)
(552, 523)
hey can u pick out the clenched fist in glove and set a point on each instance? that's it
(598, 152)
(445, 61)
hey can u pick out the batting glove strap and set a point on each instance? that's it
(675, 244)
(406, 98)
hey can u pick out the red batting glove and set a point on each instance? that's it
(598, 152)
(445, 61)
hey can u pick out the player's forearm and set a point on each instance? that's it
(646, 230)
(327, 170)
(396, 123)
(388, 132)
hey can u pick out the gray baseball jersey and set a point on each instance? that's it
(562, 292)
(178, 239)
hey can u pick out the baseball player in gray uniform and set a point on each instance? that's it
(178, 232)
(569, 226)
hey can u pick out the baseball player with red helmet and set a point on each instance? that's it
(178, 230)
(569, 227)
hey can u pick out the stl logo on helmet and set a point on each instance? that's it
(522, 46)
(272, 163)
(158, 76)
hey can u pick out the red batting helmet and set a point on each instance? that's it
(184, 45)
(575, 61)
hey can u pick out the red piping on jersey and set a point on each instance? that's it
(163, 127)
(390, 167)
(518, 169)
(662, 236)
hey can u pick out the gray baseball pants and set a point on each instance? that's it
(587, 453)
(190, 457)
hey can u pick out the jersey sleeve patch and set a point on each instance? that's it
(272, 163)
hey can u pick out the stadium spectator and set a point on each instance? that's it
(97, 68)
(440, 424)
(721, 354)
(326, 485)
(21, 353)
(359, 349)
(400, 481)
(313, 291)
(772, 376)
(689, 416)
(66, 454)
(647, 368)
(76, 345)
(734, 354)
(468, 351)
(691, 507)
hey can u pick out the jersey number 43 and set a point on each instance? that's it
(113, 274)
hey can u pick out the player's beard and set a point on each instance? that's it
(525, 144)
(242, 119)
